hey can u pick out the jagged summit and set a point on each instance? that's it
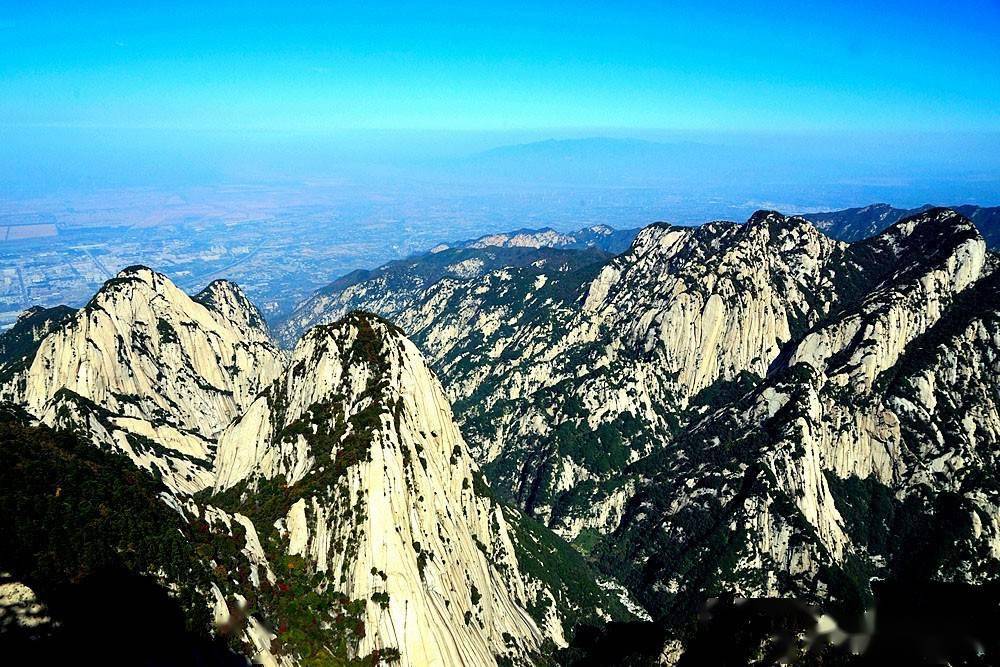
(361, 318)
(140, 270)
(938, 215)
(777, 224)
(756, 409)
(32, 312)
(340, 470)
(150, 369)
(763, 216)
(229, 301)
(379, 481)
(924, 262)
(130, 274)
(142, 337)
(932, 234)
(944, 221)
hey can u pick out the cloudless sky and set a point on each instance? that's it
(736, 66)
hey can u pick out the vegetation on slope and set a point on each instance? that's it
(89, 533)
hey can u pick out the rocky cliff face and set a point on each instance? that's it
(758, 408)
(382, 499)
(151, 371)
(867, 451)
(329, 503)
(19, 345)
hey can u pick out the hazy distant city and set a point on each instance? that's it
(279, 244)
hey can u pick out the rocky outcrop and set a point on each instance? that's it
(143, 347)
(383, 501)
(327, 504)
(851, 459)
(19, 344)
(151, 371)
(232, 306)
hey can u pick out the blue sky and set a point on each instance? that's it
(695, 66)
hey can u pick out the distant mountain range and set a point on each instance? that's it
(854, 224)
(676, 445)
(758, 378)
(399, 280)
(391, 288)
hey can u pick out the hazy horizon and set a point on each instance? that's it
(283, 146)
(843, 169)
(840, 97)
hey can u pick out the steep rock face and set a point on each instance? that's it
(712, 302)
(165, 373)
(141, 344)
(684, 309)
(19, 344)
(232, 306)
(383, 502)
(866, 452)
(936, 255)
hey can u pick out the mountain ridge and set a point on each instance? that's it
(855, 224)
(755, 410)
(340, 480)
